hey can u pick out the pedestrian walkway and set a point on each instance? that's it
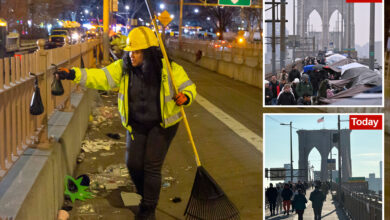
(228, 154)
(330, 211)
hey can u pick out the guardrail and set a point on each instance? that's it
(359, 205)
(18, 128)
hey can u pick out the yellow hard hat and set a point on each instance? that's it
(140, 38)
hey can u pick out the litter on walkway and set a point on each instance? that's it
(113, 177)
(99, 144)
(105, 154)
(130, 199)
(86, 209)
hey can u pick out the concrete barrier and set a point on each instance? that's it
(246, 69)
(34, 187)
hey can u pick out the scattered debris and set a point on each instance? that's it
(67, 206)
(81, 157)
(166, 185)
(188, 168)
(114, 176)
(111, 186)
(99, 144)
(114, 136)
(63, 215)
(93, 158)
(175, 200)
(169, 178)
(105, 154)
(86, 209)
(130, 199)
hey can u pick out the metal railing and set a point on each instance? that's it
(359, 205)
(18, 128)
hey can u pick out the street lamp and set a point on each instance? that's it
(196, 10)
(291, 154)
(172, 16)
(86, 11)
(162, 6)
(127, 7)
(208, 18)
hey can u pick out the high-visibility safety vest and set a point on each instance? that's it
(113, 76)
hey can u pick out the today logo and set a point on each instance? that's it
(365, 122)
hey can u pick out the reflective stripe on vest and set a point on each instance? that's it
(110, 81)
(172, 119)
(83, 79)
(185, 84)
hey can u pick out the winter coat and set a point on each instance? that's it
(287, 194)
(268, 93)
(304, 88)
(275, 88)
(317, 198)
(286, 98)
(300, 202)
(272, 194)
(293, 74)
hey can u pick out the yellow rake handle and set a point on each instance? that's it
(164, 52)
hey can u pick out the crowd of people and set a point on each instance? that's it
(301, 88)
(286, 198)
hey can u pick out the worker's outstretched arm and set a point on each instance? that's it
(105, 78)
(184, 84)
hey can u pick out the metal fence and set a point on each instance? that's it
(359, 205)
(18, 128)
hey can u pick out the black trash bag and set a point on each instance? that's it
(56, 87)
(36, 105)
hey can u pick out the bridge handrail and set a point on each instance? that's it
(359, 205)
(18, 128)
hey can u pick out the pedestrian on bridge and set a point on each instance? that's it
(275, 88)
(317, 199)
(148, 107)
(279, 200)
(300, 203)
(294, 73)
(272, 194)
(286, 195)
(304, 87)
(286, 97)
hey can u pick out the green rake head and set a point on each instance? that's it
(76, 189)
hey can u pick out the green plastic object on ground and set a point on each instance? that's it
(75, 190)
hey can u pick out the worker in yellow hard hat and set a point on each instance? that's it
(148, 107)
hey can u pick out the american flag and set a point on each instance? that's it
(320, 120)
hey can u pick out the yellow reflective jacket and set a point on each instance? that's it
(119, 41)
(112, 76)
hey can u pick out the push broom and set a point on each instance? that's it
(207, 200)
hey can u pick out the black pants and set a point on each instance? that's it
(300, 214)
(272, 205)
(144, 158)
(317, 213)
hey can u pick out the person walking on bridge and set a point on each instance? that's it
(286, 195)
(272, 194)
(148, 108)
(294, 73)
(300, 203)
(317, 198)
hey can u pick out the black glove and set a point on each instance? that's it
(65, 73)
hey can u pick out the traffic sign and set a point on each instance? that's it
(115, 5)
(165, 18)
(240, 3)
